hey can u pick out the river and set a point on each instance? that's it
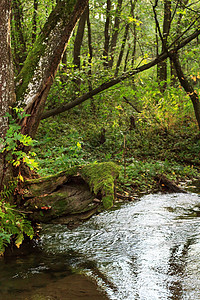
(144, 250)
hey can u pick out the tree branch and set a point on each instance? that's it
(121, 78)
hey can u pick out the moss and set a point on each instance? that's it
(61, 12)
(68, 172)
(38, 186)
(101, 178)
(29, 67)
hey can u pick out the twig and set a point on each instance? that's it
(133, 106)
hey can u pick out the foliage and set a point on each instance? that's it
(151, 148)
(13, 224)
(55, 154)
(140, 175)
(14, 142)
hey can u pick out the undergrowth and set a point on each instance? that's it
(142, 153)
(132, 124)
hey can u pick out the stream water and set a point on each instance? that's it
(147, 250)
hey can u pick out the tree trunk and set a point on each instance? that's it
(18, 41)
(133, 5)
(106, 34)
(34, 31)
(122, 49)
(40, 67)
(182, 4)
(127, 56)
(167, 185)
(113, 42)
(187, 86)
(7, 96)
(79, 39)
(162, 66)
(35, 79)
(132, 12)
(89, 35)
(93, 108)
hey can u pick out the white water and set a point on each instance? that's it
(145, 250)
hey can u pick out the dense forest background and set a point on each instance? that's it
(125, 90)
(146, 122)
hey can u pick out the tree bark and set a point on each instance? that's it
(7, 96)
(122, 49)
(106, 34)
(78, 40)
(18, 40)
(77, 191)
(113, 42)
(40, 67)
(168, 185)
(162, 66)
(34, 31)
(173, 74)
(36, 77)
(93, 108)
(89, 35)
(133, 5)
(187, 86)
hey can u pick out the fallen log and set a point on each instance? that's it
(71, 195)
(168, 185)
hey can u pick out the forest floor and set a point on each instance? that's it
(143, 152)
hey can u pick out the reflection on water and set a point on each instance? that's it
(148, 250)
(144, 250)
(40, 276)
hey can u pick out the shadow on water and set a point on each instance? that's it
(148, 250)
(39, 276)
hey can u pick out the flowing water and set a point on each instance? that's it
(146, 250)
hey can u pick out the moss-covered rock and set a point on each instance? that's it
(101, 178)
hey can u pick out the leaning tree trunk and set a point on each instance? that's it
(187, 86)
(39, 69)
(37, 75)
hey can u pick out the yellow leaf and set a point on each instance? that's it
(21, 177)
(16, 163)
(19, 240)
